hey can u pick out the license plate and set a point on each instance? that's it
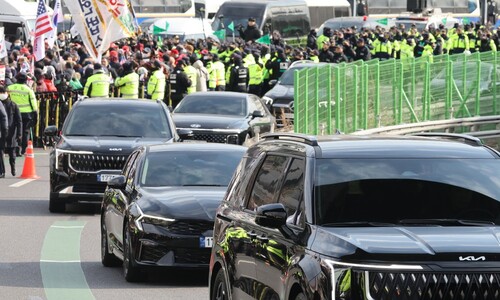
(206, 242)
(106, 177)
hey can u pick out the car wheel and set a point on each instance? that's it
(55, 206)
(131, 271)
(300, 296)
(220, 291)
(107, 259)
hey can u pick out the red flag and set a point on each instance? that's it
(43, 23)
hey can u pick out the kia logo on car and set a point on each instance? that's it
(471, 258)
(195, 125)
(115, 149)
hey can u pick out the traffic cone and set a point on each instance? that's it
(29, 171)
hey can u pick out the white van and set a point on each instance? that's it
(18, 18)
(322, 10)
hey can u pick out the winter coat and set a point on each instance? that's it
(201, 84)
(14, 121)
(4, 127)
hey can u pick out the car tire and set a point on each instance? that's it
(300, 296)
(55, 206)
(220, 291)
(107, 259)
(131, 271)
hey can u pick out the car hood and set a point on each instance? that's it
(193, 203)
(207, 121)
(97, 144)
(419, 243)
(281, 91)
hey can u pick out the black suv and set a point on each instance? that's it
(360, 217)
(96, 139)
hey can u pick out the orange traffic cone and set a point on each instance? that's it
(29, 171)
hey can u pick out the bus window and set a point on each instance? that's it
(290, 26)
(237, 14)
(342, 12)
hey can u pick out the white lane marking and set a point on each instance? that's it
(21, 183)
(65, 227)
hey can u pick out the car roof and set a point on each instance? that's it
(195, 146)
(395, 146)
(116, 102)
(219, 95)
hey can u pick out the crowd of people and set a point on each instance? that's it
(168, 69)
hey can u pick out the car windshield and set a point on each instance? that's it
(215, 105)
(123, 121)
(393, 190)
(288, 77)
(189, 168)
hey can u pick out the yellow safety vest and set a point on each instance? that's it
(98, 85)
(156, 85)
(255, 74)
(221, 76)
(129, 85)
(193, 76)
(23, 96)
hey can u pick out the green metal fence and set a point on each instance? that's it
(362, 95)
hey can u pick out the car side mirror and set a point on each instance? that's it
(50, 131)
(271, 215)
(257, 114)
(272, 82)
(118, 182)
(185, 134)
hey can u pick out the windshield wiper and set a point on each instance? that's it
(357, 224)
(445, 222)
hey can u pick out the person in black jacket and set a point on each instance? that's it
(251, 33)
(362, 51)
(179, 83)
(325, 55)
(311, 39)
(278, 64)
(4, 127)
(338, 55)
(238, 79)
(15, 125)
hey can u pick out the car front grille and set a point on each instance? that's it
(193, 256)
(470, 286)
(181, 255)
(96, 162)
(210, 137)
(190, 228)
(89, 187)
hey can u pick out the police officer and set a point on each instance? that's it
(192, 74)
(327, 34)
(98, 84)
(25, 99)
(15, 125)
(156, 82)
(179, 83)
(238, 79)
(362, 51)
(255, 70)
(492, 12)
(278, 64)
(459, 42)
(129, 82)
(220, 83)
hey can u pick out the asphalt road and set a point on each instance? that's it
(57, 256)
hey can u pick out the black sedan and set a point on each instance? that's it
(160, 211)
(223, 117)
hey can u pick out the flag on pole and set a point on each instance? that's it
(159, 30)
(231, 26)
(57, 18)
(266, 39)
(383, 21)
(220, 34)
(99, 23)
(43, 25)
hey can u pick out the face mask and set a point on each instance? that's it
(4, 97)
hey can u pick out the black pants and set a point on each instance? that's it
(12, 156)
(255, 89)
(2, 165)
(28, 123)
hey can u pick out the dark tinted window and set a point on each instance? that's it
(292, 190)
(113, 120)
(288, 77)
(213, 105)
(190, 168)
(388, 190)
(267, 181)
(290, 24)
(237, 14)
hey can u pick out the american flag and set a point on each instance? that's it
(43, 24)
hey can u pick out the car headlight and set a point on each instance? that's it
(350, 279)
(267, 100)
(149, 219)
(62, 157)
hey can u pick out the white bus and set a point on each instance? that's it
(456, 8)
(322, 10)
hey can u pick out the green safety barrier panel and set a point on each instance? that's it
(362, 95)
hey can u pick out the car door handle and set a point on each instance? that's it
(263, 238)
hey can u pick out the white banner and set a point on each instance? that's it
(3, 47)
(101, 22)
